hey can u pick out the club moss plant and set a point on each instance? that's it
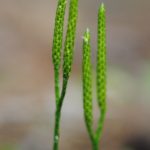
(67, 56)
(87, 67)
(100, 79)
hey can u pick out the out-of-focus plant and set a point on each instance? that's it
(7, 146)
(100, 79)
(67, 56)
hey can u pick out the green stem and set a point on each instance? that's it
(56, 131)
(95, 145)
(100, 125)
(58, 114)
(56, 86)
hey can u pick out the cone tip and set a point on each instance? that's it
(102, 7)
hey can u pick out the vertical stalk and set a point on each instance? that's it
(58, 116)
(56, 57)
(57, 113)
(95, 145)
(56, 130)
(57, 86)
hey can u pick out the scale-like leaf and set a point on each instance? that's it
(58, 34)
(70, 38)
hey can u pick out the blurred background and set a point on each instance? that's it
(27, 102)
